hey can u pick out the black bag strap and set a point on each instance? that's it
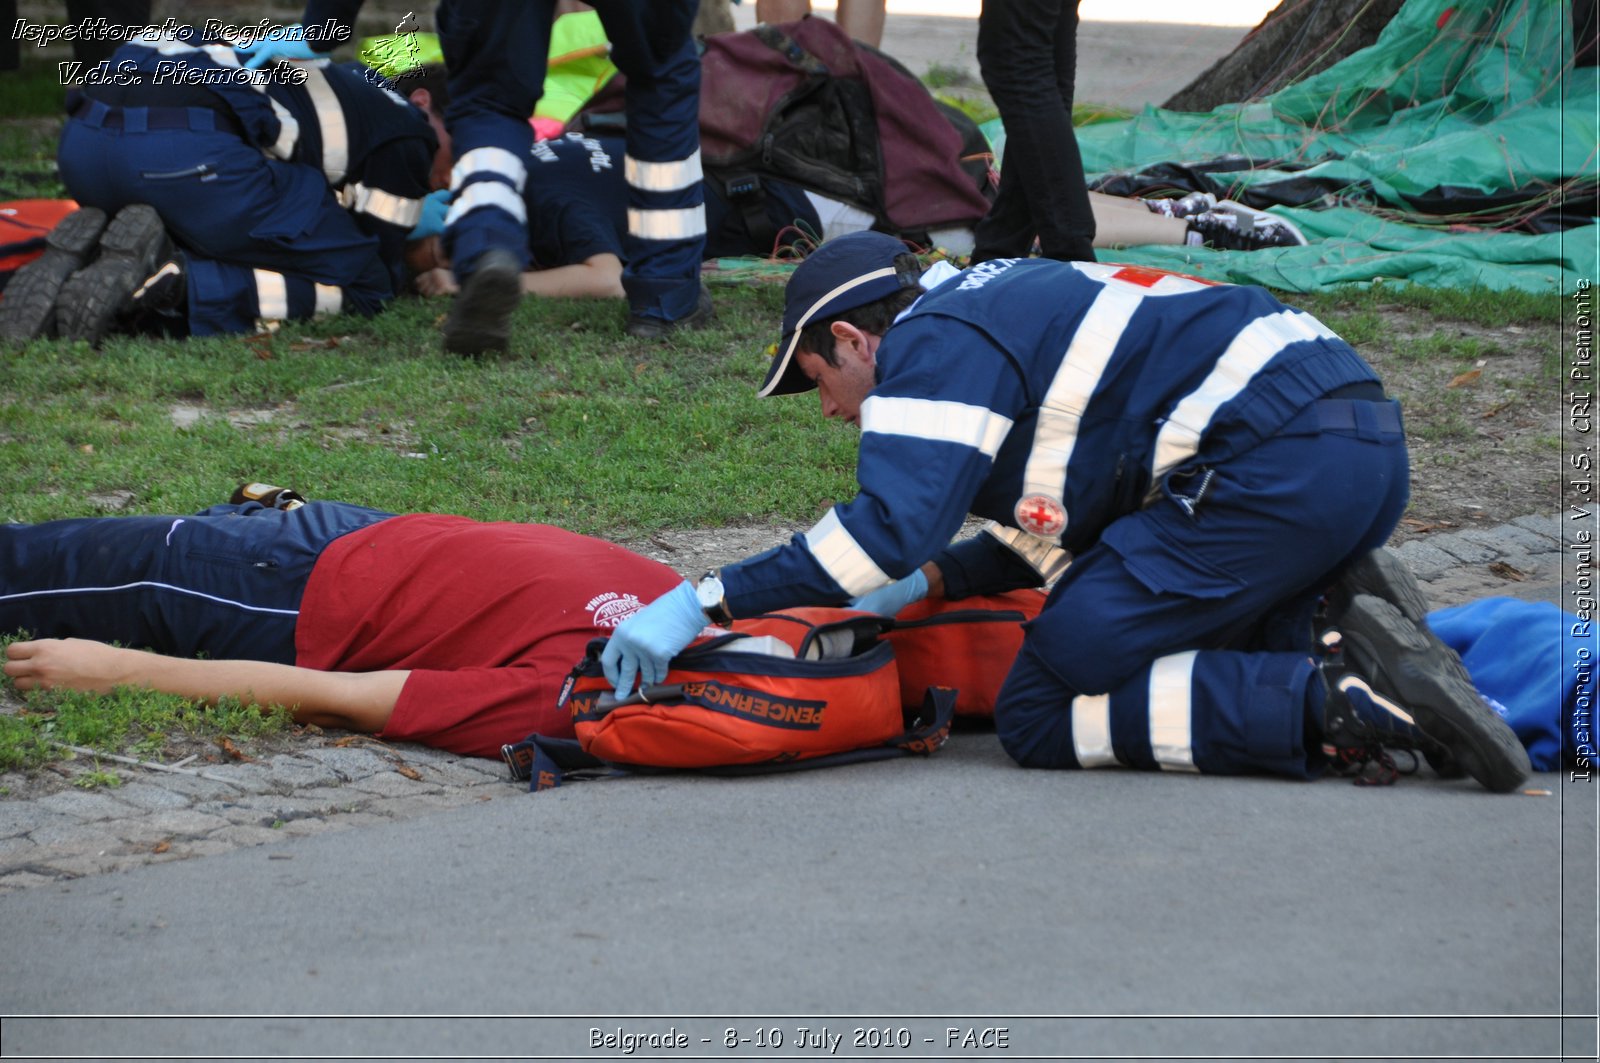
(548, 762)
(790, 49)
(745, 192)
(961, 616)
(926, 730)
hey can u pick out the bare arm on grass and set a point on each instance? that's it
(596, 277)
(356, 701)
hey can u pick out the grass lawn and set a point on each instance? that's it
(580, 426)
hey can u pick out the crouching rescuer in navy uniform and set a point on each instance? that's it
(1208, 474)
(288, 191)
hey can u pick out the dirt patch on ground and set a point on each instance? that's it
(1484, 415)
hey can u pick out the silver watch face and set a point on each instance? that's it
(710, 592)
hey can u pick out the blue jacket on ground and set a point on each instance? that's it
(1535, 664)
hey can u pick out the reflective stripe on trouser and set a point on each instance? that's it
(665, 243)
(226, 582)
(1217, 711)
(495, 54)
(232, 210)
(1228, 562)
(225, 297)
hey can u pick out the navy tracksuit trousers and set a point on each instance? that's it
(262, 238)
(495, 53)
(1182, 639)
(225, 582)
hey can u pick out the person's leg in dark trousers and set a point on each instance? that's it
(262, 238)
(1027, 52)
(495, 55)
(225, 582)
(1172, 643)
(650, 43)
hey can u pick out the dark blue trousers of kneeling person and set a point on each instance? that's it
(283, 201)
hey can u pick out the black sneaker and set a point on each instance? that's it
(1383, 574)
(131, 248)
(29, 308)
(480, 315)
(270, 496)
(659, 328)
(1235, 227)
(1393, 684)
(165, 291)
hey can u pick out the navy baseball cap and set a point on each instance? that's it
(842, 274)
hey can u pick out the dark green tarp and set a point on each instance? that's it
(1456, 102)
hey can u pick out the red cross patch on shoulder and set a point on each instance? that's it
(1041, 515)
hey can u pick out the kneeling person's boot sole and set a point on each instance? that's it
(1383, 574)
(29, 308)
(134, 244)
(1405, 664)
(480, 316)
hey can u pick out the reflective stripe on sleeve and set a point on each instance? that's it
(837, 551)
(667, 224)
(330, 121)
(1055, 432)
(1171, 733)
(288, 130)
(330, 299)
(1255, 345)
(272, 295)
(662, 176)
(486, 194)
(948, 422)
(1091, 731)
(492, 161)
(385, 206)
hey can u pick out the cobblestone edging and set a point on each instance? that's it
(160, 816)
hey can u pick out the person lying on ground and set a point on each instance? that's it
(577, 220)
(419, 627)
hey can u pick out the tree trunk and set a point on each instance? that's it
(1296, 39)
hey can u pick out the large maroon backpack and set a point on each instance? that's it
(804, 104)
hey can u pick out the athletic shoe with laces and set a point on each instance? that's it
(1383, 574)
(1233, 226)
(92, 299)
(1391, 683)
(659, 328)
(1186, 207)
(29, 308)
(271, 496)
(480, 314)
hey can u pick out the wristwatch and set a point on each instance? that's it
(712, 598)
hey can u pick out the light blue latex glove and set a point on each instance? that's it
(435, 205)
(888, 601)
(642, 645)
(275, 46)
